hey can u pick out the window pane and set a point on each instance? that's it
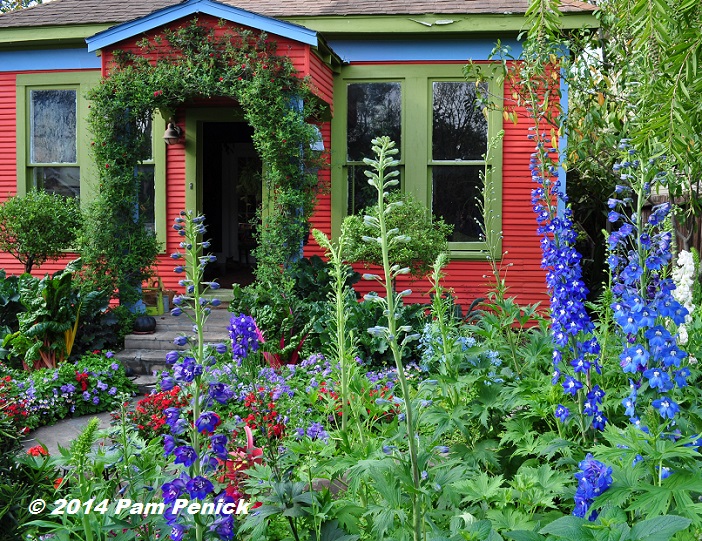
(374, 109)
(53, 126)
(457, 191)
(60, 180)
(145, 127)
(459, 130)
(147, 195)
(362, 194)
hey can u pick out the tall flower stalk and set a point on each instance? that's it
(576, 348)
(645, 309)
(193, 445)
(381, 179)
(343, 349)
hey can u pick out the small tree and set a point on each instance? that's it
(13, 5)
(428, 235)
(37, 227)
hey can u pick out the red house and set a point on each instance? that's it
(383, 68)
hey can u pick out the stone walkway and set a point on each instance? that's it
(65, 431)
(62, 433)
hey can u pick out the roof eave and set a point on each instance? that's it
(459, 23)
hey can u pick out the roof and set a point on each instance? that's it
(83, 12)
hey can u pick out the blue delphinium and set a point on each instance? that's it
(572, 332)
(244, 335)
(593, 478)
(644, 308)
(191, 443)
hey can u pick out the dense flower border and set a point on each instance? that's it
(94, 383)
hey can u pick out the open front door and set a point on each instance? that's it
(228, 192)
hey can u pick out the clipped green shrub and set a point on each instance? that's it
(428, 235)
(38, 226)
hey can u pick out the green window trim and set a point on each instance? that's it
(82, 81)
(416, 144)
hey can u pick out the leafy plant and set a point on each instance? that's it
(38, 227)
(428, 236)
(49, 324)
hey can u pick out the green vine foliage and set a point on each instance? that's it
(192, 63)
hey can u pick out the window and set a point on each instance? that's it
(434, 116)
(53, 144)
(374, 109)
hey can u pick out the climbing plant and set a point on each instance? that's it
(173, 68)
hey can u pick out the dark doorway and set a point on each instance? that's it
(232, 192)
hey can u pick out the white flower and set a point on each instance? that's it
(684, 276)
(682, 335)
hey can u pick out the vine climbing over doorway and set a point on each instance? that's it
(173, 68)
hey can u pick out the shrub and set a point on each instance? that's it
(428, 235)
(37, 227)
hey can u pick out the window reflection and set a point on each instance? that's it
(456, 196)
(374, 110)
(459, 129)
(53, 126)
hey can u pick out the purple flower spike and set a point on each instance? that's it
(207, 421)
(220, 392)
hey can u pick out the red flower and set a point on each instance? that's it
(82, 378)
(158, 93)
(58, 482)
(37, 450)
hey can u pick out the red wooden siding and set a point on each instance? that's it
(8, 134)
(322, 215)
(175, 202)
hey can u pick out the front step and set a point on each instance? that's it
(145, 354)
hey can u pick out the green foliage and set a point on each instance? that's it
(53, 307)
(372, 348)
(312, 278)
(428, 237)
(38, 227)
(13, 5)
(22, 480)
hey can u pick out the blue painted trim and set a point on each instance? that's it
(415, 50)
(173, 13)
(48, 59)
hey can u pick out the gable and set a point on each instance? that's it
(171, 14)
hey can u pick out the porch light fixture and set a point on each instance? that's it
(173, 132)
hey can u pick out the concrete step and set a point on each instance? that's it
(144, 354)
(164, 340)
(143, 362)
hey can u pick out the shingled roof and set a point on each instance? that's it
(80, 12)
